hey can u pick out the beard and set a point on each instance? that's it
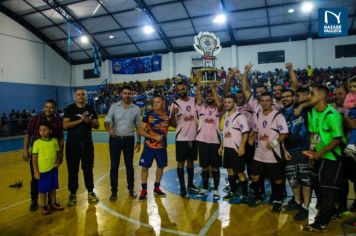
(182, 95)
(209, 103)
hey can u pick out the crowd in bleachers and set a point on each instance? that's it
(331, 77)
(15, 122)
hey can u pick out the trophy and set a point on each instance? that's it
(208, 45)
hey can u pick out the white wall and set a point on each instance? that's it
(24, 58)
(295, 51)
(324, 52)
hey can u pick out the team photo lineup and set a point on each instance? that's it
(178, 117)
(289, 135)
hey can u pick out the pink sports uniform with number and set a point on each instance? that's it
(186, 119)
(208, 131)
(248, 112)
(268, 128)
(256, 107)
(235, 126)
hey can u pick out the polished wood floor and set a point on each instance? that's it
(168, 216)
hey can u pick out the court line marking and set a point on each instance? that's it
(210, 222)
(137, 222)
(29, 199)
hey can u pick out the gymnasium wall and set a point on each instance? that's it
(30, 71)
(321, 53)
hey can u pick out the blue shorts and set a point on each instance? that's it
(149, 154)
(48, 181)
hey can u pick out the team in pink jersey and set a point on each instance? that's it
(208, 137)
(235, 132)
(183, 116)
(269, 131)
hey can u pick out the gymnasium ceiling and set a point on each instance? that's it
(60, 23)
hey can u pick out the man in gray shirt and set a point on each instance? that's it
(120, 122)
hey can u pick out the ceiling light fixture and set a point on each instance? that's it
(148, 29)
(307, 7)
(84, 39)
(291, 10)
(111, 36)
(219, 19)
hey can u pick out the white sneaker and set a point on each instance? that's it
(216, 195)
(350, 150)
(202, 192)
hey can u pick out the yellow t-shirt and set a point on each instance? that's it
(47, 153)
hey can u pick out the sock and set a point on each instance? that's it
(205, 177)
(144, 186)
(232, 182)
(256, 188)
(190, 172)
(180, 173)
(262, 185)
(243, 185)
(216, 178)
(278, 192)
(157, 185)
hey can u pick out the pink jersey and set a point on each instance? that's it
(350, 101)
(268, 128)
(256, 107)
(209, 118)
(248, 112)
(186, 119)
(235, 126)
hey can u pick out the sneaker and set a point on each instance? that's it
(92, 197)
(292, 205)
(277, 206)
(184, 194)
(44, 210)
(302, 214)
(216, 195)
(315, 227)
(202, 192)
(350, 150)
(254, 201)
(72, 200)
(113, 197)
(133, 194)
(193, 189)
(353, 206)
(244, 200)
(57, 207)
(229, 196)
(143, 196)
(158, 192)
(33, 206)
(226, 189)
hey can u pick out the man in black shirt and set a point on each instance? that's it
(79, 119)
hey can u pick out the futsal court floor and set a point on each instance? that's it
(172, 215)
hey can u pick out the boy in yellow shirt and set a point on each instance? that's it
(45, 162)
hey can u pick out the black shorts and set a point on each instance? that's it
(271, 170)
(208, 155)
(298, 170)
(249, 153)
(330, 173)
(186, 150)
(233, 161)
(349, 172)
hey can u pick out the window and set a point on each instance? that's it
(271, 57)
(345, 50)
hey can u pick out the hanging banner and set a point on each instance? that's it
(137, 65)
(197, 61)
